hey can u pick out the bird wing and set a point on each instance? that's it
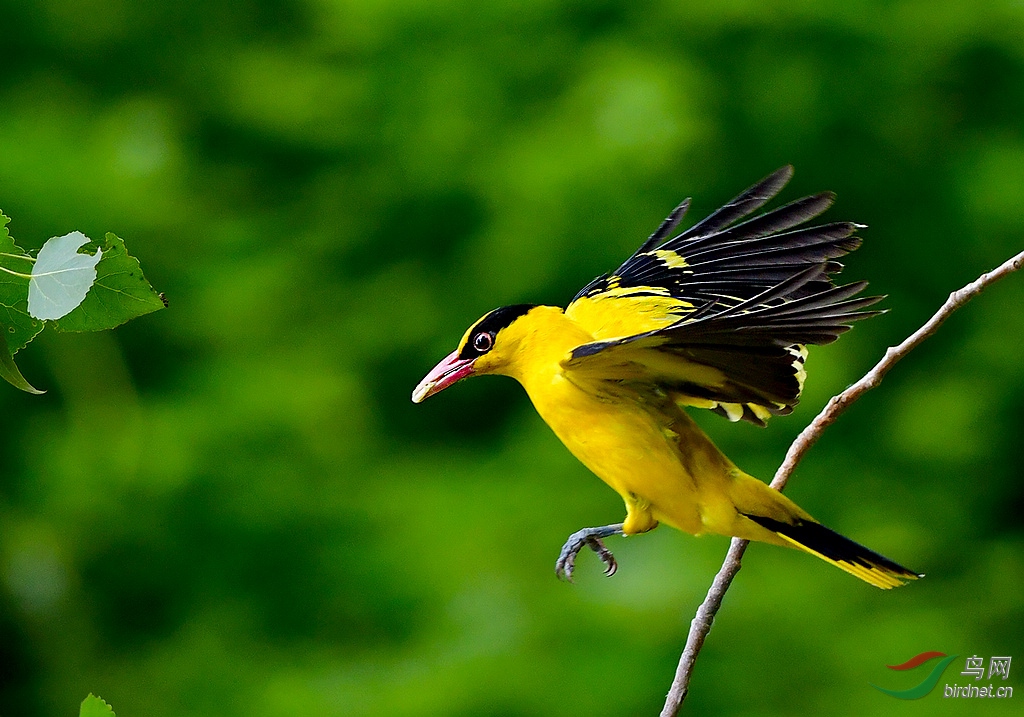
(719, 316)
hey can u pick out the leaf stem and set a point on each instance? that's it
(26, 257)
(15, 273)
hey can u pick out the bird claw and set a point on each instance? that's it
(597, 545)
(591, 538)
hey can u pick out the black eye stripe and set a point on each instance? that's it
(491, 324)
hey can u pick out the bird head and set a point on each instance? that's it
(485, 348)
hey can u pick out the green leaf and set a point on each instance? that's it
(18, 327)
(61, 276)
(9, 372)
(93, 706)
(119, 293)
(14, 259)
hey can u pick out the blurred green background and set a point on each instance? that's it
(232, 508)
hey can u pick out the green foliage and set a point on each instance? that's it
(120, 292)
(93, 706)
(19, 327)
(77, 284)
(235, 510)
(11, 374)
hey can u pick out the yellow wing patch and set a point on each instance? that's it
(670, 259)
(638, 362)
(626, 311)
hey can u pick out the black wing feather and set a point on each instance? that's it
(759, 291)
(750, 200)
(781, 219)
(664, 229)
(741, 259)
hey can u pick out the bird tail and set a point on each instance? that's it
(830, 546)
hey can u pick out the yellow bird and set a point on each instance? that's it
(717, 317)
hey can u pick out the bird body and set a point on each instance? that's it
(645, 447)
(717, 317)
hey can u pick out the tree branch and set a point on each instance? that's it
(702, 621)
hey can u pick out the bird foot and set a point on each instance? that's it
(591, 538)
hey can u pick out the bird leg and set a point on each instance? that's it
(591, 538)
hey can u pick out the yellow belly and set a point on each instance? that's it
(626, 447)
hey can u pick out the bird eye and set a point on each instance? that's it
(483, 342)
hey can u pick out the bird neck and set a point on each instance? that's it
(538, 341)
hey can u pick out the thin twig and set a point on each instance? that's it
(701, 624)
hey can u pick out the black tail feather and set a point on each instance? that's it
(842, 552)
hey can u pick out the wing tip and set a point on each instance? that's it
(786, 170)
(774, 182)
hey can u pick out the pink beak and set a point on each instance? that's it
(449, 371)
